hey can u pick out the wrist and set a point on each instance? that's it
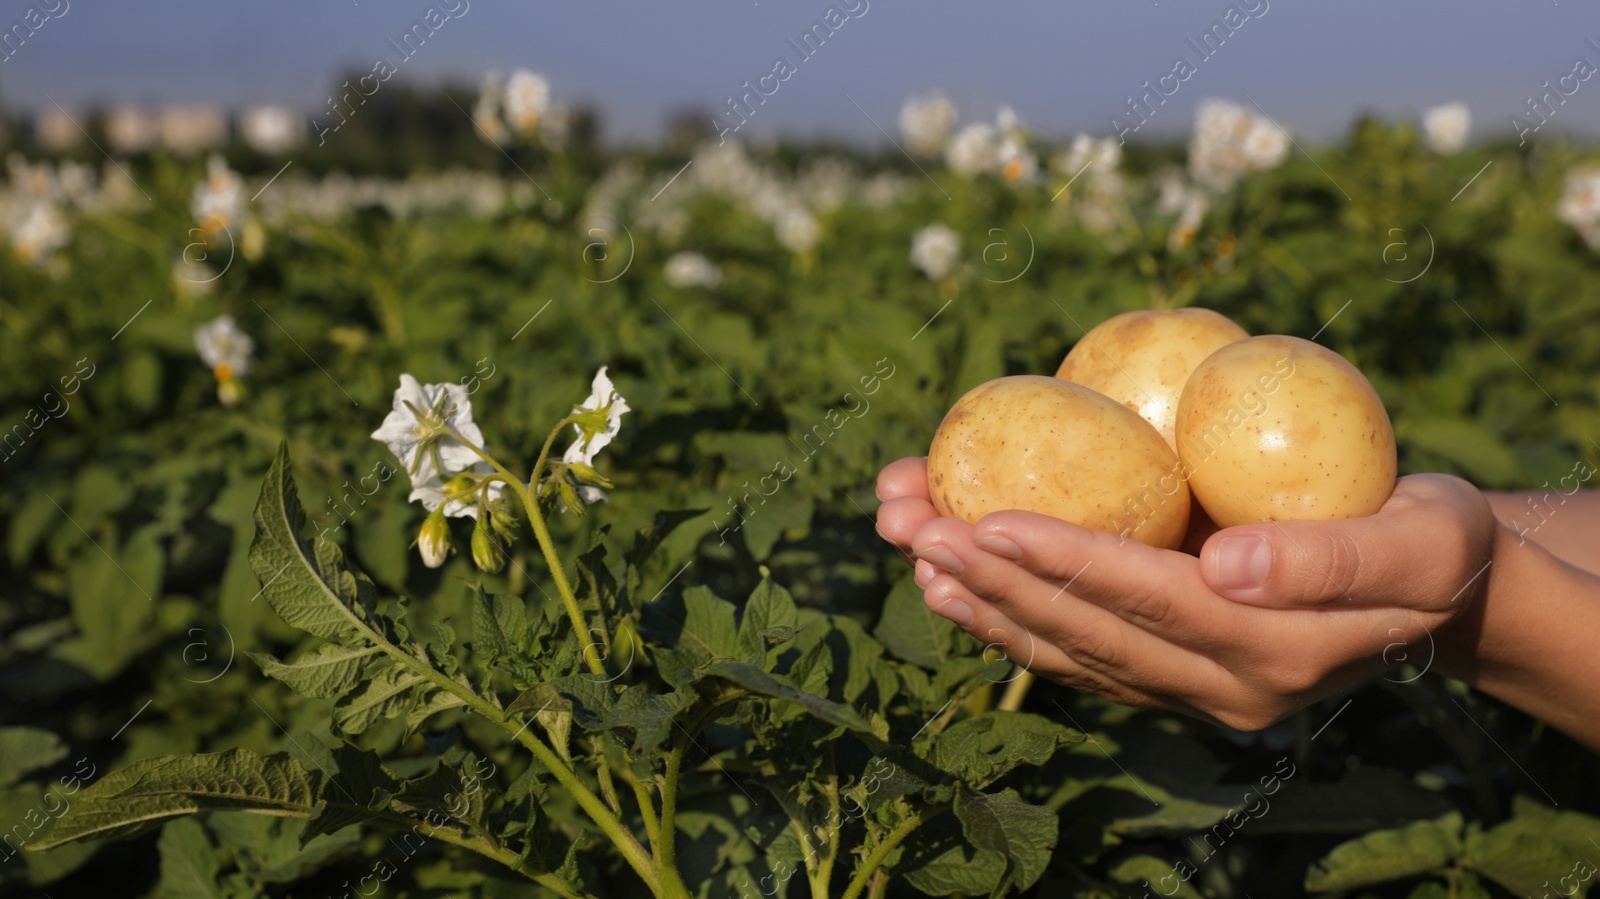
(1469, 646)
(1527, 638)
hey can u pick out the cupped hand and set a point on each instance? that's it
(1266, 620)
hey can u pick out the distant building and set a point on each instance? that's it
(130, 129)
(271, 129)
(188, 130)
(56, 130)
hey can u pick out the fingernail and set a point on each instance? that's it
(1242, 562)
(948, 607)
(942, 557)
(1000, 546)
(923, 572)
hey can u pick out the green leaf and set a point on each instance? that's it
(599, 706)
(500, 627)
(939, 860)
(361, 786)
(647, 540)
(770, 617)
(911, 631)
(145, 794)
(1001, 822)
(329, 670)
(981, 750)
(1538, 846)
(189, 864)
(1152, 875)
(309, 586)
(1418, 848)
(756, 680)
(387, 694)
(25, 749)
(696, 624)
(785, 514)
(113, 596)
(269, 848)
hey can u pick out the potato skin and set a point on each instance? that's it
(1275, 428)
(1142, 359)
(1059, 449)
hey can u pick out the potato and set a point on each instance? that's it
(1143, 359)
(1059, 449)
(1273, 428)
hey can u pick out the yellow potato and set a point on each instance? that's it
(1143, 359)
(1059, 449)
(1274, 428)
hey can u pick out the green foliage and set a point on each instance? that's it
(272, 693)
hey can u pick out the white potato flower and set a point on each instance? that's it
(1230, 142)
(218, 200)
(797, 229)
(925, 123)
(527, 100)
(936, 250)
(600, 420)
(1445, 128)
(1580, 204)
(975, 150)
(1017, 163)
(686, 269)
(414, 431)
(224, 348)
(1090, 157)
(43, 232)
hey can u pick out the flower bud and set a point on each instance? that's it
(503, 521)
(585, 474)
(433, 541)
(486, 551)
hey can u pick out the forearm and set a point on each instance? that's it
(1531, 640)
(1568, 525)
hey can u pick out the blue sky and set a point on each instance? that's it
(1065, 67)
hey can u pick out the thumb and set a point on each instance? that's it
(1423, 550)
(1297, 564)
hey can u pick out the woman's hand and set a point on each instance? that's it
(1268, 619)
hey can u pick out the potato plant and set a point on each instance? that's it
(229, 668)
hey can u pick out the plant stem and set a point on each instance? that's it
(667, 850)
(1016, 692)
(879, 887)
(608, 789)
(647, 809)
(824, 872)
(669, 805)
(502, 855)
(885, 846)
(541, 533)
(635, 854)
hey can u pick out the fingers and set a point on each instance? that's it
(1158, 590)
(904, 477)
(1423, 550)
(1006, 641)
(900, 518)
(1096, 638)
